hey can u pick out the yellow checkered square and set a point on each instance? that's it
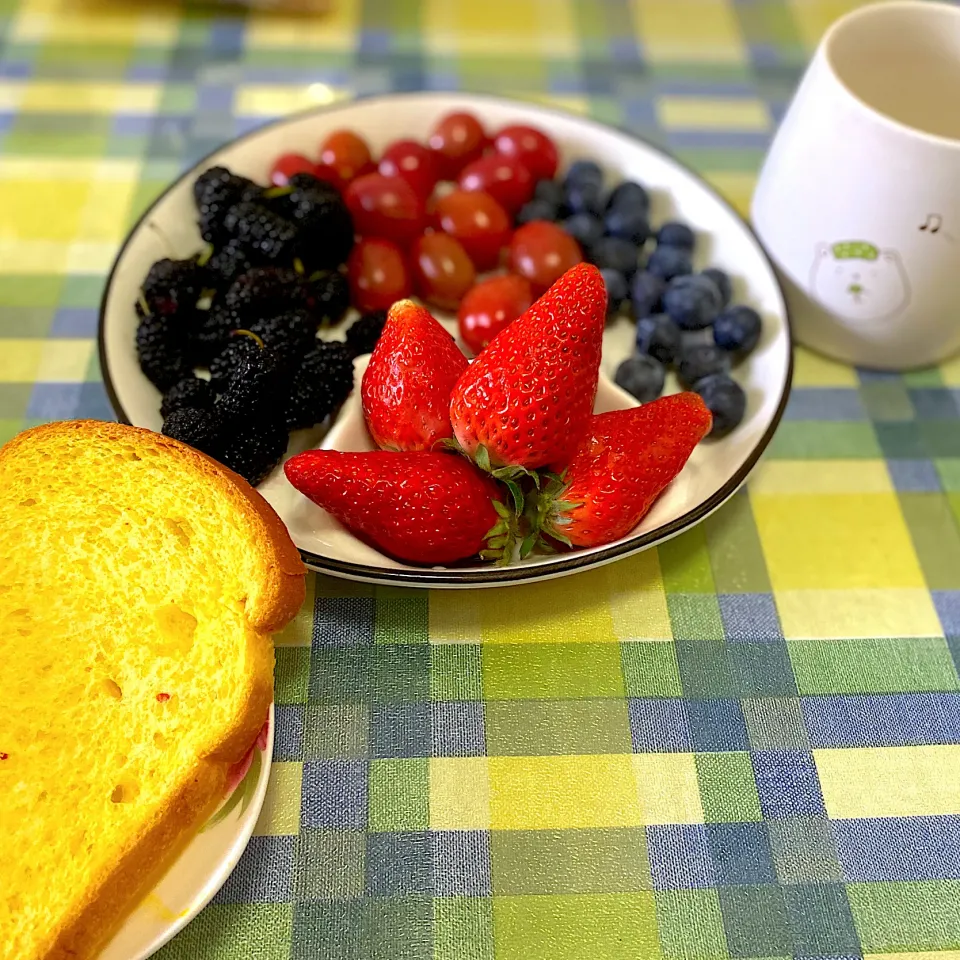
(917, 781)
(563, 792)
(849, 614)
(668, 788)
(459, 793)
(689, 30)
(281, 806)
(556, 611)
(836, 541)
(36, 209)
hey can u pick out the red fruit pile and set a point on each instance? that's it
(504, 452)
(416, 239)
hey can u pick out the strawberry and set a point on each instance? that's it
(527, 399)
(406, 386)
(420, 507)
(624, 461)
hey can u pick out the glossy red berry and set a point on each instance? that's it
(491, 306)
(385, 207)
(347, 153)
(378, 275)
(457, 139)
(413, 162)
(543, 252)
(506, 180)
(323, 171)
(533, 148)
(442, 271)
(478, 222)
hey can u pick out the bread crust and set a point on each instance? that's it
(271, 607)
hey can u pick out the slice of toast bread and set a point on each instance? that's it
(140, 583)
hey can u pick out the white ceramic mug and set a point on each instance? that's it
(858, 202)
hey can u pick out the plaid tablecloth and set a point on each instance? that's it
(744, 744)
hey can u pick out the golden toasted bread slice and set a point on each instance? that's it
(139, 585)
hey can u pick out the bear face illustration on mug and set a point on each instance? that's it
(855, 280)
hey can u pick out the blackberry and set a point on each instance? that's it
(265, 233)
(308, 195)
(174, 286)
(239, 347)
(215, 191)
(325, 224)
(363, 333)
(160, 350)
(190, 392)
(256, 449)
(209, 335)
(198, 428)
(328, 296)
(266, 291)
(323, 382)
(289, 334)
(231, 260)
(256, 387)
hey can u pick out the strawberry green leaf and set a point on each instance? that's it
(529, 542)
(482, 458)
(517, 495)
(449, 443)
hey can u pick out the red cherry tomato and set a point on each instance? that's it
(377, 274)
(478, 222)
(413, 162)
(289, 164)
(543, 252)
(324, 172)
(442, 271)
(490, 306)
(385, 207)
(458, 138)
(535, 150)
(347, 153)
(506, 180)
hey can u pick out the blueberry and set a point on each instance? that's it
(726, 401)
(616, 284)
(629, 195)
(641, 376)
(692, 301)
(699, 361)
(549, 190)
(722, 280)
(628, 223)
(586, 197)
(584, 171)
(536, 210)
(677, 235)
(646, 291)
(615, 253)
(585, 228)
(659, 337)
(737, 330)
(669, 262)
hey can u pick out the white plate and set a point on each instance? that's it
(715, 470)
(203, 867)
